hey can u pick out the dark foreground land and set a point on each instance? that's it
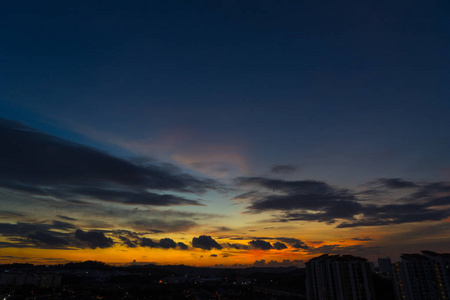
(96, 280)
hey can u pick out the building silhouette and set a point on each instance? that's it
(335, 277)
(422, 277)
(385, 266)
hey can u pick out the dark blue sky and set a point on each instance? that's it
(286, 80)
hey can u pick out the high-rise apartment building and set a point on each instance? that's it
(335, 277)
(422, 277)
(384, 266)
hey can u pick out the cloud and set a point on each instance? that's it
(317, 201)
(336, 248)
(47, 239)
(66, 218)
(146, 242)
(237, 246)
(283, 169)
(205, 242)
(37, 235)
(213, 255)
(259, 263)
(127, 233)
(307, 194)
(182, 246)
(323, 249)
(167, 243)
(396, 183)
(130, 197)
(60, 235)
(62, 225)
(260, 244)
(45, 165)
(94, 239)
(279, 246)
(397, 214)
(329, 203)
(363, 239)
(434, 189)
(222, 228)
(127, 242)
(277, 264)
(439, 201)
(295, 243)
(9, 214)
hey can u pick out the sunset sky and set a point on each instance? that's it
(228, 133)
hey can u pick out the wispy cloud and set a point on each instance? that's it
(310, 200)
(283, 169)
(43, 165)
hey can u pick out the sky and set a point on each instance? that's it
(223, 133)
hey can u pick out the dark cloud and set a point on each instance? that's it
(439, 201)
(127, 242)
(205, 242)
(167, 243)
(396, 183)
(279, 246)
(260, 244)
(60, 235)
(130, 197)
(66, 218)
(182, 246)
(317, 201)
(307, 194)
(47, 239)
(396, 214)
(323, 249)
(303, 187)
(247, 195)
(128, 233)
(336, 248)
(9, 214)
(237, 246)
(283, 169)
(295, 243)
(146, 242)
(213, 255)
(21, 229)
(259, 263)
(38, 235)
(223, 228)
(432, 190)
(362, 239)
(39, 164)
(94, 239)
(62, 225)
